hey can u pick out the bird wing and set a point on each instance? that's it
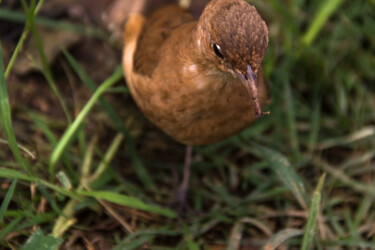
(157, 29)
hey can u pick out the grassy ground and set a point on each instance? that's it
(81, 168)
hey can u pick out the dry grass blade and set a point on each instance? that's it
(280, 237)
(364, 133)
(339, 175)
(236, 236)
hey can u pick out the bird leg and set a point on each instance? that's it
(180, 194)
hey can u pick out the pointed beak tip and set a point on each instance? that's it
(249, 80)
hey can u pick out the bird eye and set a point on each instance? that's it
(217, 50)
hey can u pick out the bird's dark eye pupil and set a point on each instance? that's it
(217, 51)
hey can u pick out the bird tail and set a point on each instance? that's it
(132, 31)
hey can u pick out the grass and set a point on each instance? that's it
(95, 174)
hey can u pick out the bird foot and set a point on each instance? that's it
(179, 201)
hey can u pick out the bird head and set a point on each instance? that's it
(234, 38)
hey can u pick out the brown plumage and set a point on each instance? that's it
(198, 81)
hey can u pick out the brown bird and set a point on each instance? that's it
(200, 81)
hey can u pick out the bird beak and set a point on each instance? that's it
(249, 79)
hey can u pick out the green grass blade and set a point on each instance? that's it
(364, 209)
(321, 17)
(48, 73)
(14, 174)
(59, 189)
(41, 242)
(315, 126)
(50, 199)
(108, 157)
(86, 30)
(71, 131)
(32, 11)
(313, 216)
(136, 243)
(350, 224)
(6, 117)
(21, 41)
(43, 127)
(10, 226)
(137, 163)
(155, 232)
(34, 220)
(66, 219)
(47, 132)
(285, 171)
(291, 120)
(7, 198)
(129, 201)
